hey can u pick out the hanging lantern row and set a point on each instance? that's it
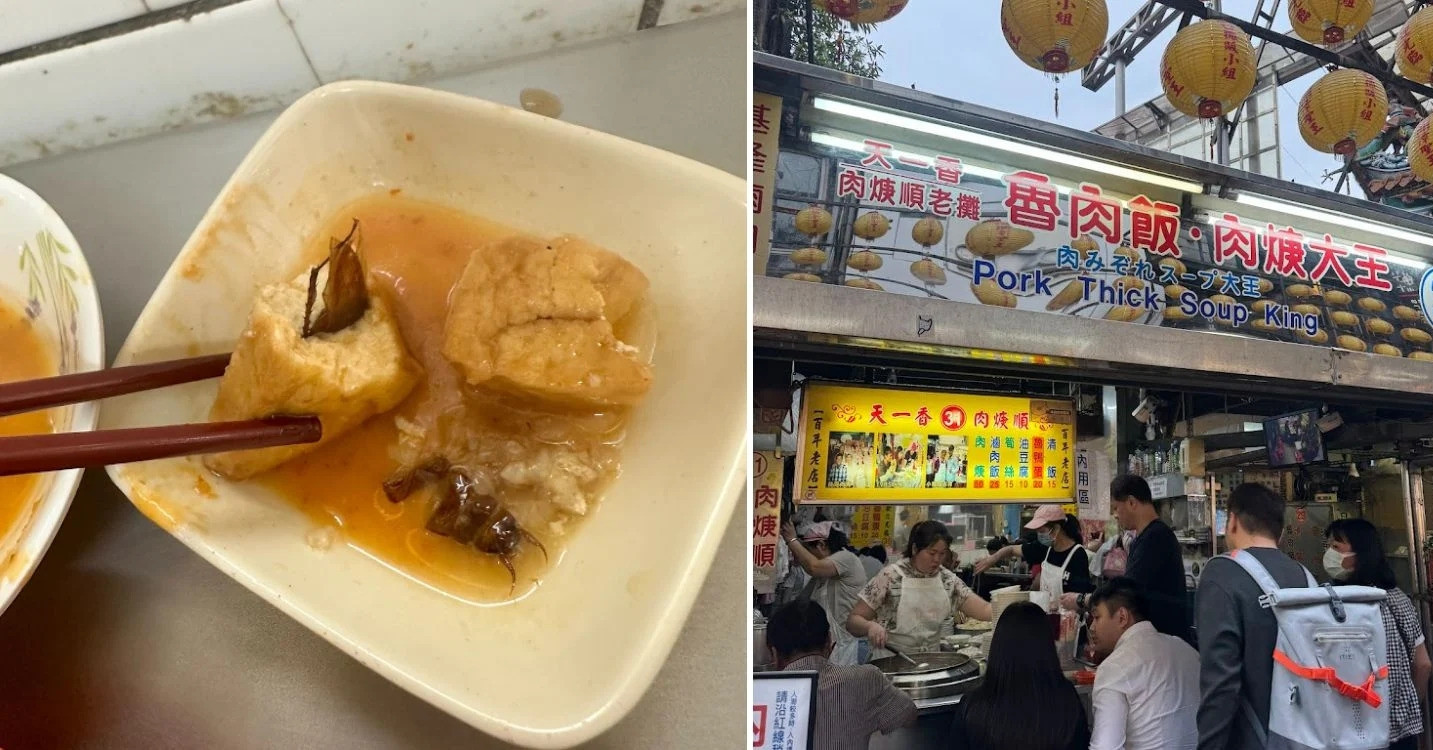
(1055, 36)
(862, 11)
(1414, 50)
(1208, 69)
(1343, 112)
(1329, 21)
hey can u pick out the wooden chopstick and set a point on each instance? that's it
(26, 454)
(28, 395)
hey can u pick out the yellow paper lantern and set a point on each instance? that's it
(813, 221)
(995, 237)
(1207, 69)
(1329, 21)
(1342, 112)
(926, 270)
(1055, 36)
(1414, 52)
(864, 261)
(871, 225)
(1420, 152)
(861, 283)
(927, 231)
(862, 11)
(808, 256)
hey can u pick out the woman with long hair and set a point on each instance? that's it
(1025, 702)
(905, 604)
(1355, 557)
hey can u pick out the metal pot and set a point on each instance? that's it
(943, 674)
(760, 654)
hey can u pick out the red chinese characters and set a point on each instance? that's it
(883, 190)
(764, 526)
(758, 158)
(948, 170)
(1154, 226)
(922, 417)
(876, 154)
(1328, 260)
(763, 555)
(1031, 201)
(940, 202)
(1092, 213)
(1002, 420)
(913, 195)
(982, 419)
(758, 197)
(1370, 262)
(878, 414)
(1284, 252)
(760, 119)
(851, 183)
(1022, 420)
(768, 496)
(1235, 240)
(967, 206)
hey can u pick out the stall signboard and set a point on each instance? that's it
(765, 137)
(1023, 239)
(1093, 472)
(873, 445)
(765, 519)
(783, 710)
(873, 525)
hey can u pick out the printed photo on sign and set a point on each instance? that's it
(899, 462)
(849, 460)
(945, 461)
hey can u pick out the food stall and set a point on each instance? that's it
(911, 246)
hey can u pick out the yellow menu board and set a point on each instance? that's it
(874, 445)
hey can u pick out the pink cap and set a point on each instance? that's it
(816, 532)
(1045, 515)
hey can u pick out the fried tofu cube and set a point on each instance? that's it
(344, 378)
(536, 318)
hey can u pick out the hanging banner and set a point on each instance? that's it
(873, 525)
(765, 135)
(1093, 472)
(766, 520)
(873, 445)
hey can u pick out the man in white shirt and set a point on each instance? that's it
(1146, 694)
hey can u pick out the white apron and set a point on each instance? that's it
(846, 649)
(1052, 579)
(925, 604)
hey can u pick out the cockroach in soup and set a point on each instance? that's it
(464, 515)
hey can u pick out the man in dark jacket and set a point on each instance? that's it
(1236, 635)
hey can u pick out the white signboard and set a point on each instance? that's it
(782, 710)
(1093, 472)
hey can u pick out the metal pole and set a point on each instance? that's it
(1119, 87)
(1221, 142)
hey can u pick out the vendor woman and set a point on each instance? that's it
(1064, 563)
(904, 605)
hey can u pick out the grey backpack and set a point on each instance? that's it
(1330, 683)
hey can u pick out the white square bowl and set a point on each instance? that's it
(566, 662)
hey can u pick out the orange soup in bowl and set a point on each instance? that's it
(23, 355)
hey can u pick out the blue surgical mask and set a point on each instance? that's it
(1046, 538)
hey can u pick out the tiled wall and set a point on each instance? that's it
(82, 73)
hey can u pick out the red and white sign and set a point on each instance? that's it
(781, 705)
(891, 190)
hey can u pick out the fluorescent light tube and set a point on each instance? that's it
(1344, 221)
(990, 141)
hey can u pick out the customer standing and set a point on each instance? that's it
(852, 703)
(1025, 701)
(1236, 634)
(1146, 693)
(836, 578)
(1155, 560)
(1355, 558)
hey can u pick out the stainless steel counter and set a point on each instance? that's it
(124, 638)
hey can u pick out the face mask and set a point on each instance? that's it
(1333, 563)
(1046, 539)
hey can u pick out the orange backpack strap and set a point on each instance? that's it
(1328, 676)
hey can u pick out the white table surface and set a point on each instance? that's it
(124, 638)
